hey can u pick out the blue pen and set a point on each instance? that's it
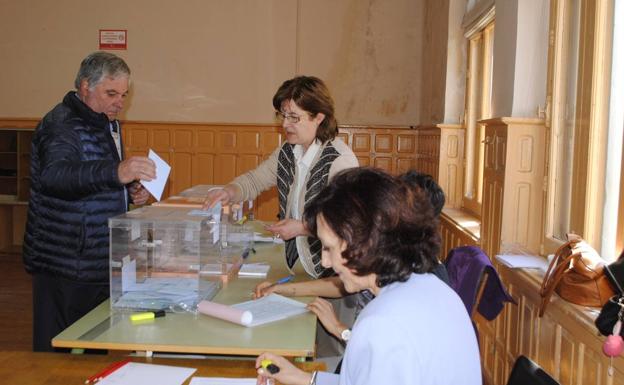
(283, 280)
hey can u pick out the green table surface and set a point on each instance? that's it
(198, 333)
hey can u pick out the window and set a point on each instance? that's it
(577, 114)
(478, 107)
(563, 118)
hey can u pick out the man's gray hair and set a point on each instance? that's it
(98, 65)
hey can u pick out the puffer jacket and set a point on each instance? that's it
(74, 190)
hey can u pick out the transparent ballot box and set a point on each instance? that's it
(171, 257)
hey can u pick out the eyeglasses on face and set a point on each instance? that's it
(290, 118)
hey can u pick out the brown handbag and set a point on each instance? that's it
(576, 273)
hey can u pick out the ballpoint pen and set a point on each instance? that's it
(282, 280)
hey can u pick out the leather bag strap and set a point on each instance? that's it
(555, 271)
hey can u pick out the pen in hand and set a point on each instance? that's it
(263, 291)
(282, 280)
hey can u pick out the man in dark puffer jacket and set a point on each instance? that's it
(79, 180)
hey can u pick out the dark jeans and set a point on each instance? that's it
(58, 303)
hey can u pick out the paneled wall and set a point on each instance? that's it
(451, 163)
(513, 181)
(428, 160)
(212, 153)
(454, 231)
(216, 153)
(206, 153)
(564, 341)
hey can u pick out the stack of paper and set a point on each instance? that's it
(258, 270)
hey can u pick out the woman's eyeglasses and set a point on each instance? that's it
(290, 118)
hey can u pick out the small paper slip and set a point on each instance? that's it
(156, 186)
(222, 381)
(259, 270)
(134, 373)
(523, 261)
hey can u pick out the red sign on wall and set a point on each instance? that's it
(113, 39)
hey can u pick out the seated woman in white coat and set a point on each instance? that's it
(379, 234)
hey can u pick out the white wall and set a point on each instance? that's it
(531, 58)
(454, 100)
(520, 57)
(220, 60)
(503, 76)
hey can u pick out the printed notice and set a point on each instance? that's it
(113, 39)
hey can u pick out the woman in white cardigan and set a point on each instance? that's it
(300, 168)
(378, 234)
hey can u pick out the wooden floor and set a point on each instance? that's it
(15, 304)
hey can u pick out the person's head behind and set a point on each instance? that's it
(311, 95)
(102, 83)
(387, 228)
(431, 188)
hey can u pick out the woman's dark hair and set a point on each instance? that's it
(311, 95)
(429, 186)
(389, 226)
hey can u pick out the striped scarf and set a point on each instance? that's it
(316, 180)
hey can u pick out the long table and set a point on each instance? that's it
(28, 368)
(197, 333)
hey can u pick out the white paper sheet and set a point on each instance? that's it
(222, 381)
(273, 307)
(156, 186)
(523, 261)
(134, 373)
(128, 273)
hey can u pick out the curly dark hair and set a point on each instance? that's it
(389, 226)
(311, 95)
(426, 182)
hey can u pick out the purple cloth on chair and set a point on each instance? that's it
(466, 265)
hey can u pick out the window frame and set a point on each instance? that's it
(590, 128)
(477, 107)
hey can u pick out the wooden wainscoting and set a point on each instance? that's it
(214, 153)
(513, 178)
(457, 228)
(207, 153)
(564, 341)
(451, 163)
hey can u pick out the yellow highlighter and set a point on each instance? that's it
(147, 315)
(270, 366)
